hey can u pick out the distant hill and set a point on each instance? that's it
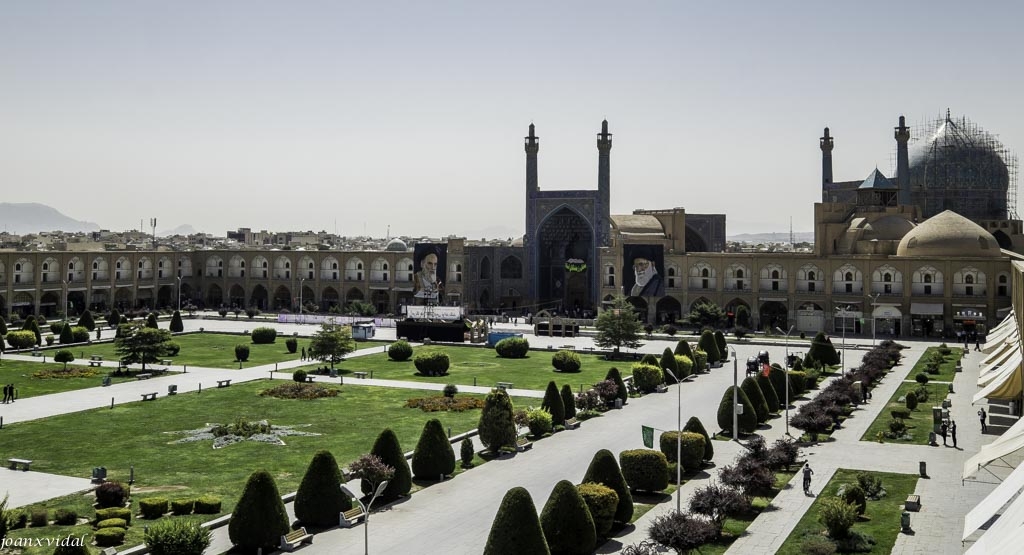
(31, 217)
(778, 237)
(184, 229)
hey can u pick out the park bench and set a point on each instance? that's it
(504, 386)
(167, 362)
(15, 463)
(223, 383)
(661, 388)
(96, 360)
(149, 396)
(351, 517)
(571, 423)
(360, 375)
(158, 371)
(144, 376)
(36, 352)
(309, 379)
(522, 444)
(292, 539)
(913, 503)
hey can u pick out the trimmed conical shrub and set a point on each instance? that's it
(694, 425)
(753, 392)
(781, 384)
(319, 498)
(259, 519)
(566, 521)
(650, 359)
(708, 345)
(86, 321)
(114, 318)
(177, 326)
(683, 348)
(768, 390)
(151, 321)
(3, 326)
(65, 334)
(568, 402)
(497, 426)
(668, 361)
(822, 350)
(516, 528)
(604, 469)
(434, 456)
(553, 404)
(723, 348)
(390, 452)
(614, 375)
(602, 502)
(747, 420)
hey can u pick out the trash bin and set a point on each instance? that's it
(931, 438)
(951, 387)
(618, 403)
(923, 468)
(172, 390)
(905, 520)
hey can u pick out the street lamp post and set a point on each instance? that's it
(874, 299)
(366, 511)
(735, 398)
(301, 281)
(842, 357)
(679, 443)
(791, 328)
(179, 294)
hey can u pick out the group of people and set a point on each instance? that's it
(9, 393)
(966, 337)
(948, 428)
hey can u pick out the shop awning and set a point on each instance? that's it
(1006, 530)
(993, 340)
(926, 309)
(998, 349)
(1006, 386)
(994, 501)
(1010, 359)
(1010, 441)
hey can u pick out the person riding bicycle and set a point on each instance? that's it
(807, 477)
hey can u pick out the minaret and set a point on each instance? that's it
(902, 135)
(604, 147)
(826, 161)
(532, 145)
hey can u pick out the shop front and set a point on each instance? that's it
(926, 319)
(887, 321)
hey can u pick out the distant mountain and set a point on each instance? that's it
(184, 229)
(778, 237)
(31, 217)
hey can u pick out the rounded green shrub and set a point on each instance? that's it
(153, 507)
(539, 422)
(696, 426)
(65, 517)
(177, 537)
(241, 353)
(207, 505)
(319, 498)
(651, 359)
(799, 381)
(299, 376)
(700, 361)
(434, 457)
(21, 339)
(176, 325)
(497, 426)
(390, 452)
(613, 375)
(708, 344)
(183, 506)
(40, 517)
(685, 366)
(109, 537)
(79, 334)
(112, 523)
(602, 502)
(604, 469)
(516, 527)
(837, 516)
(911, 401)
(292, 345)
(259, 519)
(114, 512)
(111, 494)
(644, 469)
(65, 356)
(753, 391)
(647, 377)
(72, 549)
(400, 350)
(433, 363)
(512, 347)
(854, 495)
(263, 336)
(466, 452)
(920, 378)
(566, 361)
(691, 449)
(566, 521)
(747, 421)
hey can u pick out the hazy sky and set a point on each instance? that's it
(352, 116)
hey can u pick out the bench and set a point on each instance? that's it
(360, 375)
(913, 503)
(504, 386)
(661, 388)
(149, 396)
(571, 423)
(96, 357)
(223, 383)
(309, 379)
(145, 376)
(15, 463)
(351, 517)
(294, 538)
(167, 362)
(37, 353)
(522, 444)
(95, 363)
(158, 371)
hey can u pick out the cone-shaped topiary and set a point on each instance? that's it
(65, 334)
(822, 350)
(3, 326)
(781, 385)
(650, 359)
(753, 391)
(177, 326)
(723, 348)
(708, 345)
(768, 390)
(694, 425)
(516, 528)
(114, 318)
(683, 348)
(466, 452)
(497, 424)
(434, 456)
(604, 469)
(554, 405)
(614, 375)
(259, 519)
(390, 452)
(668, 362)
(747, 420)
(319, 498)
(151, 321)
(602, 502)
(566, 521)
(568, 402)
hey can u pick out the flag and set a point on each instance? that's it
(648, 434)
(765, 369)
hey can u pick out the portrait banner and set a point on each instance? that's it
(642, 276)
(430, 261)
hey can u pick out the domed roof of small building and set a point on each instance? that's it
(949, 234)
(637, 224)
(887, 228)
(396, 245)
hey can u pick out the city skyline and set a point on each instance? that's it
(351, 118)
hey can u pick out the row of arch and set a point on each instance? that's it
(75, 269)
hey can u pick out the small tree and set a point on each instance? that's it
(753, 391)
(768, 390)
(568, 402)
(708, 345)
(141, 344)
(320, 498)
(668, 362)
(604, 470)
(65, 356)
(371, 470)
(151, 320)
(516, 528)
(706, 314)
(615, 376)
(176, 326)
(911, 401)
(837, 516)
(566, 521)
(747, 421)
(259, 519)
(434, 457)
(822, 350)
(854, 495)
(496, 427)
(694, 425)
(390, 452)
(617, 326)
(716, 502)
(331, 343)
(553, 404)
(466, 452)
(681, 532)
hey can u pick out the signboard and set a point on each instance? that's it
(449, 313)
(648, 434)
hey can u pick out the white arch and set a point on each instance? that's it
(329, 269)
(354, 269)
(100, 269)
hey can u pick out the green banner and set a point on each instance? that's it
(648, 433)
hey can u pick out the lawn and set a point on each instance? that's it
(947, 368)
(881, 521)
(214, 350)
(349, 424)
(482, 366)
(920, 422)
(22, 375)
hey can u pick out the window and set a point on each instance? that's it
(775, 285)
(849, 288)
(810, 286)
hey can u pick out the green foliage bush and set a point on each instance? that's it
(114, 512)
(566, 521)
(21, 339)
(72, 549)
(644, 469)
(299, 376)
(822, 350)
(86, 321)
(569, 400)
(112, 523)
(708, 344)
(432, 363)
(723, 348)
(400, 350)
(65, 333)
(602, 502)
(604, 469)
(263, 335)
(241, 353)
(613, 375)
(768, 390)
(390, 452)
(64, 355)
(434, 456)
(173, 349)
(871, 484)
(920, 378)
(151, 320)
(516, 527)
(466, 452)
(111, 494)
(79, 334)
(757, 398)
(207, 505)
(685, 366)
(897, 427)
(696, 426)
(854, 495)
(292, 345)
(496, 427)
(177, 537)
(40, 516)
(668, 366)
(683, 349)
(799, 382)
(911, 401)
(319, 498)
(646, 377)
(109, 537)
(700, 361)
(650, 359)
(153, 507)
(259, 519)
(566, 361)
(837, 516)
(512, 347)
(539, 422)
(65, 517)
(554, 405)
(747, 421)
(817, 545)
(176, 325)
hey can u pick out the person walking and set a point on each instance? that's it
(982, 415)
(807, 478)
(952, 432)
(942, 431)
(6, 393)
(303, 354)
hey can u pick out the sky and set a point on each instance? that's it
(362, 117)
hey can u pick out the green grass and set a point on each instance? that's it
(21, 374)
(134, 434)
(947, 368)
(920, 422)
(881, 521)
(485, 367)
(735, 527)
